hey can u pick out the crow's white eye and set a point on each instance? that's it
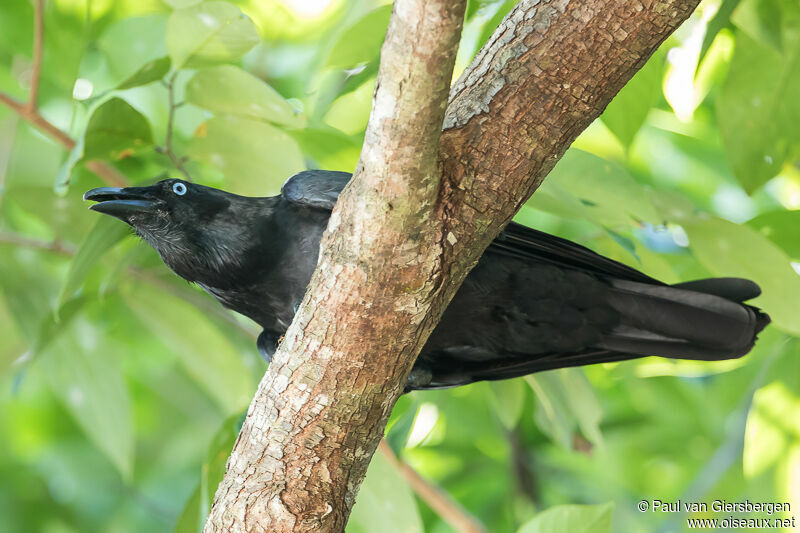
(179, 188)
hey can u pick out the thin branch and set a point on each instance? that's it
(196, 299)
(169, 150)
(8, 101)
(449, 510)
(36, 119)
(55, 246)
(102, 169)
(523, 471)
(38, 49)
(29, 111)
(107, 173)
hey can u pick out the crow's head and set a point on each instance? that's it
(203, 234)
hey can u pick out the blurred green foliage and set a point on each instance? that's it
(123, 387)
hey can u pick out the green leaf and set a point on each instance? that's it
(671, 205)
(229, 89)
(56, 323)
(384, 503)
(350, 112)
(116, 130)
(551, 198)
(583, 403)
(761, 20)
(208, 357)
(132, 41)
(728, 249)
(758, 109)
(255, 157)
(766, 439)
(566, 402)
(328, 148)
(625, 243)
(64, 175)
(148, 73)
(353, 81)
(508, 399)
(721, 19)
(361, 42)
(25, 296)
(605, 189)
(88, 381)
(572, 519)
(782, 228)
(628, 110)
(105, 233)
(401, 422)
(195, 512)
(472, 8)
(180, 4)
(208, 34)
(51, 327)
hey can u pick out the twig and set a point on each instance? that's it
(103, 170)
(107, 173)
(37, 120)
(168, 150)
(30, 113)
(67, 250)
(523, 471)
(38, 49)
(451, 512)
(56, 246)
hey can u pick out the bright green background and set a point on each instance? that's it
(122, 387)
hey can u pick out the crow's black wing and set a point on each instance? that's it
(529, 244)
(315, 188)
(321, 188)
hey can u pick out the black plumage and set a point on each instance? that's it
(533, 302)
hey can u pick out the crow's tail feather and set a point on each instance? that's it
(702, 320)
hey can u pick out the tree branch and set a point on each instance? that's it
(103, 170)
(400, 241)
(295, 466)
(168, 150)
(55, 246)
(29, 111)
(450, 511)
(38, 49)
(63, 249)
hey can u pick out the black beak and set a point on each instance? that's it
(122, 203)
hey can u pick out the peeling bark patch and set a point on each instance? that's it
(471, 95)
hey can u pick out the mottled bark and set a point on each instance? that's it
(402, 239)
(322, 406)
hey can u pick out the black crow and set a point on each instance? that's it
(533, 302)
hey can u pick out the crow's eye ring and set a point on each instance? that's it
(179, 188)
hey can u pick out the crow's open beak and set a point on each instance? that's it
(121, 203)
